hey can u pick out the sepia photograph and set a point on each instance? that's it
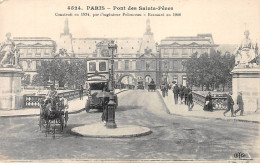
(119, 81)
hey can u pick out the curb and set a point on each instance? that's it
(29, 115)
(202, 117)
(100, 136)
(143, 132)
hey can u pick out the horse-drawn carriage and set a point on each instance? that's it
(140, 85)
(53, 111)
(151, 87)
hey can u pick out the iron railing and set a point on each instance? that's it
(219, 100)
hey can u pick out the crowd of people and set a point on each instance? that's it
(183, 94)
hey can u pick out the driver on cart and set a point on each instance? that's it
(51, 96)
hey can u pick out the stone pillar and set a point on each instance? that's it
(247, 80)
(11, 97)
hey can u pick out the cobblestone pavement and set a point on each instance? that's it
(174, 138)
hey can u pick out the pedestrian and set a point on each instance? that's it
(176, 93)
(208, 106)
(163, 89)
(81, 92)
(240, 104)
(166, 89)
(230, 104)
(181, 93)
(186, 91)
(190, 101)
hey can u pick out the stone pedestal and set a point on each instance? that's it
(11, 97)
(247, 80)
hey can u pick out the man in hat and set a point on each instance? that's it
(176, 93)
(230, 104)
(240, 104)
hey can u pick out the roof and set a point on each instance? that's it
(88, 45)
(200, 39)
(34, 42)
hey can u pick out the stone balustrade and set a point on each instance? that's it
(33, 101)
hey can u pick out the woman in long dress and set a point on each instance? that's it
(208, 106)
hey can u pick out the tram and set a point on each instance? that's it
(98, 82)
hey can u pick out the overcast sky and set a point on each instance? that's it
(226, 20)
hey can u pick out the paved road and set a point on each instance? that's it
(173, 138)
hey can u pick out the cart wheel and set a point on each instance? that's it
(54, 129)
(87, 106)
(47, 127)
(40, 119)
(66, 118)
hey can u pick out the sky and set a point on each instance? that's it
(225, 20)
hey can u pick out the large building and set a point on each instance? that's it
(137, 59)
(32, 51)
(174, 51)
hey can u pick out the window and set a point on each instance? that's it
(92, 66)
(47, 51)
(184, 80)
(102, 66)
(116, 65)
(175, 51)
(175, 79)
(126, 65)
(175, 65)
(183, 65)
(38, 64)
(184, 51)
(130, 65)
(165, 51)
(138, 64)
(29, 67)
(147, 66)
(166, 65)
(38, 51)
(29, 52)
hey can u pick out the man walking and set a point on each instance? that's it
(190, 101)
(163, 89)
(176, 93)
(240, 104)
(186, 92)
(230, 104)
(81, 92)
(181, 93)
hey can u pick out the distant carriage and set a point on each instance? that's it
(151, 87)
(140, 85)
(53, 114)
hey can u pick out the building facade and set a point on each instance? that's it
(32, 51)
(136, 59)
(174, 51)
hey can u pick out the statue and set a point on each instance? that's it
(246, 52)
(9, 56)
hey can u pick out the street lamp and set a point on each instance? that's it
(113, 47)
(111, 104)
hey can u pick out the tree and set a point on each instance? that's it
(210, 70)
(53, 70)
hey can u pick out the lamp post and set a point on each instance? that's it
(111, 106)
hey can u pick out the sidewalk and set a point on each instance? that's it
(75, 106)
(198, 112)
